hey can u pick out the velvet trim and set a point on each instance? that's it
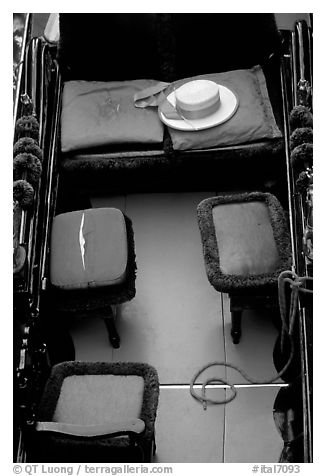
(51, 395)
(96, 162)
(300, 136)
(232, 283)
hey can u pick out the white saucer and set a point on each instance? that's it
(228, 106)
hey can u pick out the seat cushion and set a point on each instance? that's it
(96, 114)
(245, 238)
(122, 389)
(253, 121)
(88, 249)
(96, 399)
(246, 241)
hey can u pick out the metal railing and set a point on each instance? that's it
(40, 81)
(299, 63)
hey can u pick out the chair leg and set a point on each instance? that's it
(154, 446)
(236, 326)
(112, 331)
(149, 450)
(53, 334)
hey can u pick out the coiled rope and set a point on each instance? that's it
(297, 285)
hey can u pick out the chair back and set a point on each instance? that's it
(163, 46)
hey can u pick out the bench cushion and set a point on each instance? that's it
(253, 121)
(96, 114)
(88, 249)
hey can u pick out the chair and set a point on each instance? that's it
(165, 47)
(92, 264)
(97, 412)
(246, 245)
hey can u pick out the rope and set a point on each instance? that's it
(296, 284)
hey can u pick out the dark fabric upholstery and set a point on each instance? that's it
(254, 163)
(245, 238)
(102, 257)
(77, 449)
(123, 46)
(97, 299)
(253, 121)
(109, 46)
(168, 47)
(232, 283)
(96, 113)
(212, 43)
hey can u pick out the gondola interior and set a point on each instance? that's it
(144, 251)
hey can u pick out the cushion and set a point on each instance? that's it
(88, 249)
(253, 121)
(95, 399)
(245, 238)
(246, 241)
(98, 114)
(111, 390)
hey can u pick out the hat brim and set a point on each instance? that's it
(228, 106)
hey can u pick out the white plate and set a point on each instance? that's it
(228, 106)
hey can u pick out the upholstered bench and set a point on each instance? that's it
(92, 263)
(97, 412)
(105, 141)
(246, 246)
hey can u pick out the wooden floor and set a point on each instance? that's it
(178, 323)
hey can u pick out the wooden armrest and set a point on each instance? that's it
(134, 426)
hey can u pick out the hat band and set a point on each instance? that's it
(199, 114)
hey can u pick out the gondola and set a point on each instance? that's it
(86, 70)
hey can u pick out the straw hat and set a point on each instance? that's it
(227, 108)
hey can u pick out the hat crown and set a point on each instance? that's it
(198, 93)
